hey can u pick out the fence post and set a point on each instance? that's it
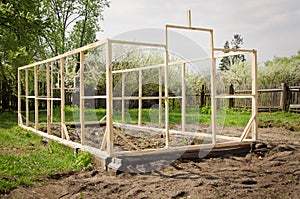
(283, 97)
(231, 100)
(202, 96)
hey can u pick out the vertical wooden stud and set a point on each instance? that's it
(255, 94)
(48, 98)
(140, 97)
(167, 128)
(51, 88)
(82, 118)
(213, 89)
(62, 96)
(36, 102)
(183, 98)
(26, 97)
(160, 97)
(189, 18)
(19, 98)
(123, 95)
(109, 99)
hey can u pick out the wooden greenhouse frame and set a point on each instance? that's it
(105, 153)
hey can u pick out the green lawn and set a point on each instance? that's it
(226, 117)
(25, 160)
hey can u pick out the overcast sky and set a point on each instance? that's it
(270, 26)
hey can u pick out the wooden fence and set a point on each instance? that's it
(274, 98)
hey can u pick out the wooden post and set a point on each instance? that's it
(123, 95)
(167, 128)
(82, 119)
(231, 100)
(140, 97)
(255, 96)
(51, 94)
(109, 99)
(283, 97)
(160, 97)
(62, 96)
(26, 97)
(48, 98)
(202, 96)
(36, 102)
(183, 100)
(19, 97)
(213, 90)
(189, 18)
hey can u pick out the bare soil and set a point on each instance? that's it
(271, 170)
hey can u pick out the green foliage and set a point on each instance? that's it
(227, 62)
(205, 110)
(281, 70)
(36, 30)
(239, 74)
(83, 160)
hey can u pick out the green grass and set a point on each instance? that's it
(25, 160)
(226, 117)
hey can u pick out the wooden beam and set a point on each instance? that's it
(150, 130)
(109, 99)
(67, 143)
(188, 28)
(213, 90)
(114, 41)
(67, 54)
(167, 89)
(183, 101)
(247, 128)
(255, 94)
(51, 91)
(189, 20)
(48, 82)
(125, 139)
(36, 102)
(19, 96)
(140, 98)
(181, 149)
(123, 95)
(26, 97)
(82, 117)
(104, 141)
(235, 50)
(230, 54)
(227, 96)
(160, 89)
(62, 96)
(65, 131)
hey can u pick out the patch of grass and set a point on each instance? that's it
(226, 117)
(25, 160)
(288, 120)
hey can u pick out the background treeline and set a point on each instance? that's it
(33, 30)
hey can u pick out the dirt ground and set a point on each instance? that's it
(272, 170)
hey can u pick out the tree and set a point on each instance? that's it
(239, 74)
(73, 23)
(281, 70)
(32, 30)
(236, 43)
(19, 30)
(225, 61)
